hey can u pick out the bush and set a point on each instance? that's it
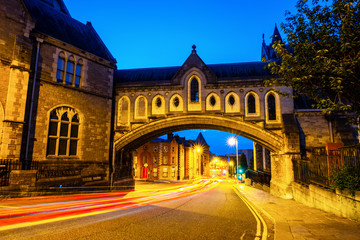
(346, 177)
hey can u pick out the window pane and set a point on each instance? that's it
(271, 107)
(73, 147)
(59, 76)
(77, 81)
(53, 115)
(69, 72)
(64, 129)
(68, 79)
(61, 64)
(78, 70)
(64, 117)
(75, 118)
(53, 128)
(51, 146)
(62, 146)
(251, 104)
(74, 131)
(194, 86)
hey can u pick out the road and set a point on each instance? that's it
(198, 211)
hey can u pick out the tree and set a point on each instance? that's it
(322, 57)
(243, 162)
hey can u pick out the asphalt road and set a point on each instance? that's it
(218, 213)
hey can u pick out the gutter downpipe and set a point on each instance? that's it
(39, 40)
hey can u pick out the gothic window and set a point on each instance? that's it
(271, 107)
(231, 100)
(194, 90)
(78, 73)
(251, 104)
(141, 107)
(124, 105)
(60, 68)
(69, 71)
(63, 135)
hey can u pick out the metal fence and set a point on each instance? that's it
(263, 178)
(321, 164)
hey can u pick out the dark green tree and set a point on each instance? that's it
(243, 162)
(321, 59)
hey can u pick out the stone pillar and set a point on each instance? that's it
(123, 172)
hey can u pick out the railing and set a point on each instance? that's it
(321, 164)
(6, 166)
(263, 178)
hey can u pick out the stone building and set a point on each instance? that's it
(55, 93)
(173, 158)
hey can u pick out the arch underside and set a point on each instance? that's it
(139, 136)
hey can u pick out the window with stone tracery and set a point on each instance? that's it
(69, 71)
(63, 135)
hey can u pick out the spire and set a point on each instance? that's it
(276, 35)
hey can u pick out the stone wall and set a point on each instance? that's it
(340, 204)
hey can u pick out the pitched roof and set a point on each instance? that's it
(201, 140)
(60, 25)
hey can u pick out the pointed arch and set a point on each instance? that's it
(158, 105)
(272, 107)
(141, 108)
(232, 103)
(213, 102)
(123, 111)
(194, 89)
(252, 104)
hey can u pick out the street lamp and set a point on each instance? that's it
(231, 142)
(198, 149)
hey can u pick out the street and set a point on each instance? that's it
(202, 210)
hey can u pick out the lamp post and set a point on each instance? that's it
(233, 141)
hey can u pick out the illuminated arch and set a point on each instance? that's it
(123, 118)
(252, 104)
(232, 103)
(141, 108)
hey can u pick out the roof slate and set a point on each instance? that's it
(63, 27)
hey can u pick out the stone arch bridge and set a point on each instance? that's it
(228, 97)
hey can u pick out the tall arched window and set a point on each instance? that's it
(63, 135)
(60, 68)
(124, 108)
(78, 73)
(194, 90)
(69, 71)
(251, 104)
(141, 107)
(271, 107)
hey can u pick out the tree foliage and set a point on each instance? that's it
(321, 59)
(243, 162)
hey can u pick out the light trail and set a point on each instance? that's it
(71, 207)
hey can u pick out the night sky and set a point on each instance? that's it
(159, 33)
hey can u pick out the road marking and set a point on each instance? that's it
(257, 216)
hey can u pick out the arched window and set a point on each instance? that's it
(176, 102)
(194, 90)
(271, 107)
(212, 101)
(60, 68)
(231, 100)
(251, 104)
(124, 106)
(78, 73)
(141, 108)
(69, 71)
(63, 135)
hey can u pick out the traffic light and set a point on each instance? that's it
(240, 176)
(240, 171)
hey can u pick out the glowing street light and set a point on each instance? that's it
(231, 142)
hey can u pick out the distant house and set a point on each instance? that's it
(173, 158)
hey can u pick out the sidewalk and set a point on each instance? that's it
(294, 220)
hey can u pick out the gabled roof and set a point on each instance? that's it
(201, 140)
(58, 24)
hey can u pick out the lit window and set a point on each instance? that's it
(155, 172)
(194, 86)
(165, 159)
(251, 104)
(165, 173)
(165, 148)
(144, 159)
(173, 172)
(60, 68)
(271, 107)
(63, 135)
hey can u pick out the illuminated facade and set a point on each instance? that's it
(173, 158)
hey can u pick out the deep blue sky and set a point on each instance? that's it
(159, 33)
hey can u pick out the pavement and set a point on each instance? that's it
(293, 220)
